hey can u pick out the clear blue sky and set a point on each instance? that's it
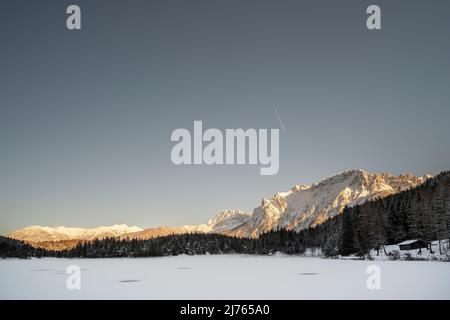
(86, 117)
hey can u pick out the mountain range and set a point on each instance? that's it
(60, 233)
(301, 207)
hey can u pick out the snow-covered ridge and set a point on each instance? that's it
(228, 219)
(39, 233)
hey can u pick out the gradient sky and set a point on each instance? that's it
(86, 116)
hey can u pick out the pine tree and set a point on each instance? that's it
(331, 247)
(415, 219)
(363, 232)
(347, 236)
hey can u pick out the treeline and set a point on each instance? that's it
(10, 248)
(190, 244)
(284, 241)
(422, 213)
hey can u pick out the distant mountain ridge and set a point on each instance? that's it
(225, 220)
(60, 233)
(301, 207)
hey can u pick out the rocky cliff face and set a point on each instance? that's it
(305, 206)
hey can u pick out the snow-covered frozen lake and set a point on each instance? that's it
(222, 277)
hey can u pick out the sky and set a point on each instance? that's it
(86, 116)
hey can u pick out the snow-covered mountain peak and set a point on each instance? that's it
(224, 215)
(228, 220)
